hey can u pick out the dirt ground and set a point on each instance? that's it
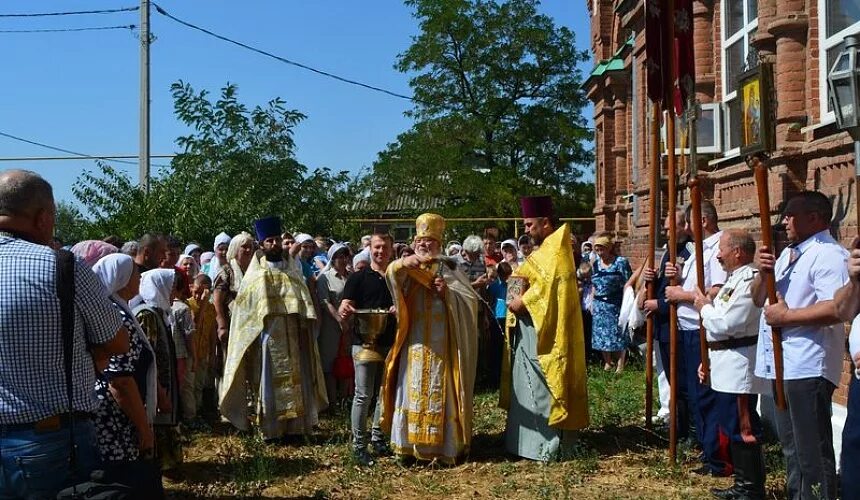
(616, 457)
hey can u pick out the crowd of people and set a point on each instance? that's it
(271, 331)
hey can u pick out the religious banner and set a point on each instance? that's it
(656, 49)
(684, 81)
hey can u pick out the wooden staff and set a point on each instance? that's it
(767, 240)
(654, 219)
(668, 103)
(695, 185)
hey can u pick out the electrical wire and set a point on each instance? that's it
(73, 13)
(68, 30)
(349, 81)
(62, 150)
(164, 13)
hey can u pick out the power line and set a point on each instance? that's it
(164, 13)
(62, 150)
(73, 13)
(68, 30)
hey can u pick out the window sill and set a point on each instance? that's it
(816, 126)
(728, 156)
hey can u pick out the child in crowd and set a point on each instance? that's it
(182, 334)
(202, 347)
(498, 289)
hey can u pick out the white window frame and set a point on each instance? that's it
(716, 149)
(826, 43)
(742, 34)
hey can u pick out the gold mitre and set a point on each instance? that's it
(429, 226)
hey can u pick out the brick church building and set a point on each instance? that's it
(800, 37)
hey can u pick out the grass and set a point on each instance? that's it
(616, 457)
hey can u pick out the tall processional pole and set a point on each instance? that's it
(653, 220)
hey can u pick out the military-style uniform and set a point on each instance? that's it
(732, 324)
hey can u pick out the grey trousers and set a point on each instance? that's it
(806, 435)
(368, 379)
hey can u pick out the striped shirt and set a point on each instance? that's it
(32, 372)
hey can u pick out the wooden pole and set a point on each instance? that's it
(654, 219)
(669, 105)
(695, 185)
(767, 240)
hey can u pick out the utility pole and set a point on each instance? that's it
(144, 96)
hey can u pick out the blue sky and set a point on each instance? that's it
(80, 91)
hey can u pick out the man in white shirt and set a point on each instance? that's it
(732, 323)
(807, 273)
(706, 405)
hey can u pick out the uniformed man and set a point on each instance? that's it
(732, 323)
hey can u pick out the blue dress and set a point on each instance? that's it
(608, 283)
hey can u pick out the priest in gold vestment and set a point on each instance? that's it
(430, 370)
(271, 350)
(544, 377)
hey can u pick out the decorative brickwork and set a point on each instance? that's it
(809, 155)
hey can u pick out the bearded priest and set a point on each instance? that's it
(271, 350)
(430, 371)
(543, 387)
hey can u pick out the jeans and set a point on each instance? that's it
(368, 379)
(806, 435)
(35, 465)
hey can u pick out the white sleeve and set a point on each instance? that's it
(732, 316)
(716, 274)
(829, 274)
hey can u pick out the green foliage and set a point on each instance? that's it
(237, 164)
(71, 226)
(498, 112)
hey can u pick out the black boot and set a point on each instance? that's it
(750, 474)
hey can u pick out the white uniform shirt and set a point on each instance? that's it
(688, 316)
(733, 314)
(813, 275)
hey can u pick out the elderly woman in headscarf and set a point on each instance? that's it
(225, 287)
(189, 265)
(195, 251)
(361, 260)
(510, 253)
(155, 317)
(333, 328)
(219, 260)
(127, 388)
(90, 251)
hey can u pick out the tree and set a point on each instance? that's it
(71, 225)
(498, 108)
(236, 165)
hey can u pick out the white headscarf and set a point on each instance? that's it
(511, 243)
(114, 271)
(155, 289)
(303, 237)
(192, 272)
(216, 264)
(222, 239)
(332, 250)
(363, 255)
(191, 247)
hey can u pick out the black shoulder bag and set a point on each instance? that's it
(66, 292)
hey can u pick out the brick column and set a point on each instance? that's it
(703, 29)
(789, 28)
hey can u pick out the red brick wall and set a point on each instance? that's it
(806, 158)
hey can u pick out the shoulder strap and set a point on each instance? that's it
(66, 293)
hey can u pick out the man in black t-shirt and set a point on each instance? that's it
(366, 289)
